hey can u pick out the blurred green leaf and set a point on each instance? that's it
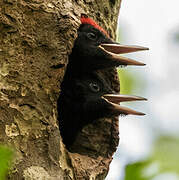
(166, 151)
(6, 155)
(133, 171)
(164, 159)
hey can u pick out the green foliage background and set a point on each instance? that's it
(6, 156)
(163, 160)
(127, 81)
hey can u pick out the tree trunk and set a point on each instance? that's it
(36, 38)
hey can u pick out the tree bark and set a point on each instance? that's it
(36, 38)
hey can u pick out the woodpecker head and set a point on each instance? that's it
(97, 99)
(94, 50)
(100, 100)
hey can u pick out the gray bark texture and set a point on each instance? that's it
(36, 37)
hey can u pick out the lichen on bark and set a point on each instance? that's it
(36, 38)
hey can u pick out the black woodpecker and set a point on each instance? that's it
(85, 99)
(85, 96)
(94, 50)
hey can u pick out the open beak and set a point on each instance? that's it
(115, 99)
(122, 49)
(114, 49)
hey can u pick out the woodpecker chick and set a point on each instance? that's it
(94, 50)
(86, 99)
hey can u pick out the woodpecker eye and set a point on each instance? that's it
(91, 36)
(94, 87)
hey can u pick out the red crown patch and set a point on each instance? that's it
(86, 20)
